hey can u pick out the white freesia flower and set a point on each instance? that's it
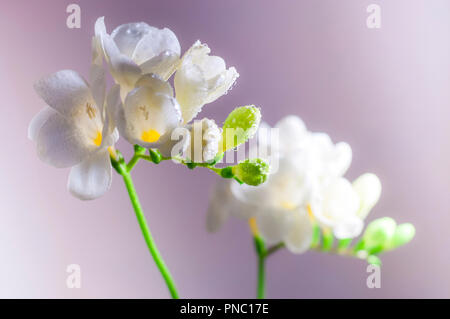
(149, 114)
(343, 206)
(75, 130)
(141, 59)
(134, 49)
(307, 186)
(201, 79)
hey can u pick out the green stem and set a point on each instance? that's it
(262, 254)
(124, 171)
(261, 278)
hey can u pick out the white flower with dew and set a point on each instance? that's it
(76, 130)
(134, 49)
(201, 79)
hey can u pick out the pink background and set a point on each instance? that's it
(384, 91)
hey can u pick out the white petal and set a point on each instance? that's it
(343, 158)
(58, 140)
(155, 83)
(368, 187)
(201, 79)
(122, 68)
(299, 235)
(163, 65)
(273, 224)
(38, 121)
(155, 42)
(191, 91)
(146, 110)
(64, 91)
(98, 85)
(251, 194)
(221, 84)
(91, 178)
(339, 203)
(113, 105)
(349, 228)
(127, 36)
(97, 51)
(100, 27)
(291, 132)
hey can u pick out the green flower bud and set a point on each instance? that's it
(155, 155)
(404, 233)
(240, 125)
(227, 172)
(139, 149)
(378, 233)
(374, 260)
(251, 171)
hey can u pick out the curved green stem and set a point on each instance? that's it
(123, 170)
(262, 254)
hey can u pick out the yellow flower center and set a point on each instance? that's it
(150, 136)
(98, 139)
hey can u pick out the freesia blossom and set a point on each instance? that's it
(149, 114)
(75, 130)
(201, 79)
(306, 187)
(134, 49)
(141, 59)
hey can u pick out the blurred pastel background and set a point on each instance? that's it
(384, 91)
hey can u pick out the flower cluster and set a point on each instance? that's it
(82, 121)
(305, 194)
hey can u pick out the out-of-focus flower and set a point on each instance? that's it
(342, 206)
(304, 188)
(76, 130)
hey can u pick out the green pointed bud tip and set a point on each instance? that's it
(252, 171)
(404, 233)
(374, 260)
(240, 125)
(379, 232)
(155, 155)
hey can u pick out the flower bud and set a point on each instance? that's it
(251, 171)
(240, 125)
(378, 233)
(155, 155)
(404, 233)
